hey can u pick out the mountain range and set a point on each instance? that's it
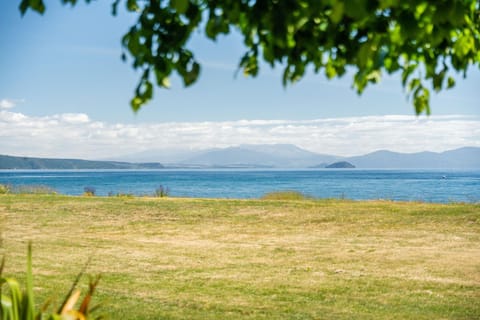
(291, 156)
(463, 158)
(258, 156)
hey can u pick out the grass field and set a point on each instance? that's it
(251, 259)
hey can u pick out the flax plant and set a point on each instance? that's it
(18, 304)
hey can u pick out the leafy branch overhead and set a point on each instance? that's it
(425, 41)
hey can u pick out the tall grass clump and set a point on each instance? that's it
(285, 195)
(18, 304)
(89, 191)
(4, 189)
(162, 191)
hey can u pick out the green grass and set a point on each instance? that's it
(285, 195)
(26, 189)
(176, 258)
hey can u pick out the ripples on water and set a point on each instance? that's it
(358, 184)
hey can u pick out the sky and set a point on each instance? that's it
(64, 92)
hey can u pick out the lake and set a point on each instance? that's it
(358, 184)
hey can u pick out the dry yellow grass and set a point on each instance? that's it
(226, 259)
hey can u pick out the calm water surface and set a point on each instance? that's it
(358, 184)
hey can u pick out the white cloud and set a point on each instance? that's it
(73, 118)
(7, 103)
(76, 135)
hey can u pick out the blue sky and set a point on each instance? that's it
(67, 62)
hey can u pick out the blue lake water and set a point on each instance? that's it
(358, 184)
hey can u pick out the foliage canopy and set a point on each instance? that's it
(426, 41)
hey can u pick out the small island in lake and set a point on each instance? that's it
(340, 165)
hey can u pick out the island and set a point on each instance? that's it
(340, 165)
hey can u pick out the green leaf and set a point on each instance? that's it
(249, 63)
(421, 100)
(414, 84)
(23, 7)
(148, 90)
(15, 297)
(211, 28)
(286, 76)
(30, 301)
(450, 82)
(438, 80)
(330, 70)
(166, 82)
(35, 5)
(115, 7)
(360, 81)
(132, 5)
(374, 76)
(420, 9)
(136, 103)
(162, 78)
(407, 71)
(364, 55)
(143, 92)
(384, 4)
(464, 45)
(191, 76)
(442, 12)
(181, 6)
(356, 9)
(337, 12)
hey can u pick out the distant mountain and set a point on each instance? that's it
(467, 157)
(463, 158)
(10, 162)
(264, 156)
(168, 155)
(268, 155)
(340, 165)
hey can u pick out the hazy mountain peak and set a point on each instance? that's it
(272, 155)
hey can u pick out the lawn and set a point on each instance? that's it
(169, 258)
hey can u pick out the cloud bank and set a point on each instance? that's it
(76, 135)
